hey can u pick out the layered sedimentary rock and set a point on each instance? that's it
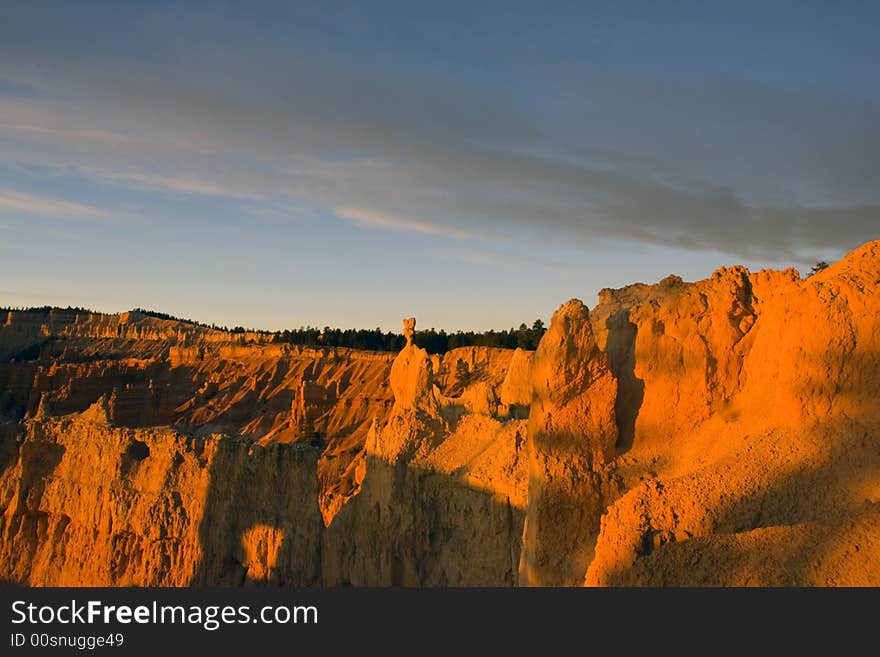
(442, 499)
(571, 439)
(720, 432)
(88, 503)
(160, 372)
(224, 462)
(414, 424)
(755, 452)
(516, 389)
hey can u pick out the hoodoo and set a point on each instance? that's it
(720, 432)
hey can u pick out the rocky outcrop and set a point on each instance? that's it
(412, 378)
(721, 432)
(88, 503)
(175, 374)
(311, 402)
(571, 439)
(451, 518)
(415, 424)
(516, 389)
(754, 458)
(441, 501)
(266, 449)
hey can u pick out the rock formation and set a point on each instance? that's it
(414, 423)
(516, 389)
(88, 503)
(266, 406)
(754, 457)
(722, 432)
(571, 439)
(412, 377)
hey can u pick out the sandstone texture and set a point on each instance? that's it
(571, 437)
(139, 451)
(721, 432)
(750, 448)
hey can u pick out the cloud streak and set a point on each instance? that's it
(373, 219)
(13, 201)
(721, 165)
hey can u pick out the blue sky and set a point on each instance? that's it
(473, 164)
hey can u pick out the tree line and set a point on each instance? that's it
(45, 309)
(433, 341)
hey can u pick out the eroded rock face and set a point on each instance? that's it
(412, 381)
(571, 438)
(756, 452)
(414, 423)
(721, 432)
(233, 472)
(88, 503)
(516, 390)
(166, 373)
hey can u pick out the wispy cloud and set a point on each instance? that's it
(700, 164)
(375, 219)
(55, 134)
(13, 201)
(183, 183)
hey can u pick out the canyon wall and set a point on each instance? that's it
(749, 450)
(722, 432)
(154, 458)
(87, 503)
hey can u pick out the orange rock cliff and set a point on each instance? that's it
(722, 432)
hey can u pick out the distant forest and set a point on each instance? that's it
(435, 342)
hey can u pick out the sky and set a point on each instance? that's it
(276, 165)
